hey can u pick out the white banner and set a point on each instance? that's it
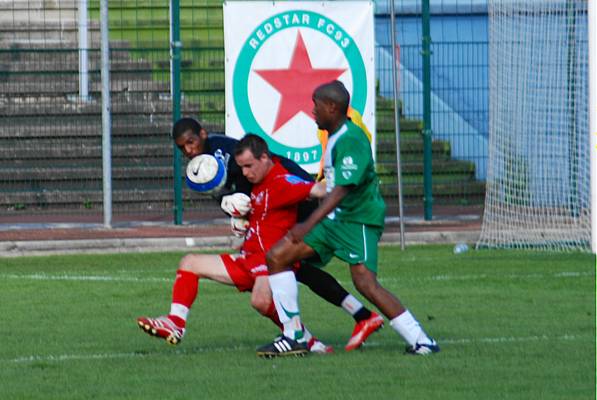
(277, 53)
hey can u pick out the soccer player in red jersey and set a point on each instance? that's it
(274, 203)
(193, 140)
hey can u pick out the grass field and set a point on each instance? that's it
(512, 325)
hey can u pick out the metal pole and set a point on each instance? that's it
(573, 137)
(593, 117)
(83, 56)
(106, 117)
(427, 133)
(396, 91)
(175, 47)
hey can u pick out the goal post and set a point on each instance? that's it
(592, 22)
(539, 182)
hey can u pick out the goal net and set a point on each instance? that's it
(538, 183)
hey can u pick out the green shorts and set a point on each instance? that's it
(351, 242)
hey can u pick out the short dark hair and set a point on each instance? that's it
(183, 125)
(255, 143)
(335, 92)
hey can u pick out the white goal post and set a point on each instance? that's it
(539, 189)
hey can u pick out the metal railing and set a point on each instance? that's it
(51, 137)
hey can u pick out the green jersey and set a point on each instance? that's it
(348, 162)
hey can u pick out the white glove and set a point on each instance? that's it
(239, 226)
(236, 205)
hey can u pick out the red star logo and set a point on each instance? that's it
(296, 84)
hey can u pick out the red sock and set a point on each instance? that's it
(273, 315)
(184, 292)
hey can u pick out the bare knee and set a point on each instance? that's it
(190, 263)
(285, 253)
(185, 262)
(275, 259)
(262, 304)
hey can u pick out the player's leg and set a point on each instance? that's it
(191, 268)
(364, 277)
(400, 318)
(261, 300)
(283, 283)
(366, 283)
(284, 289)
(330, 239)
(282, 256)
(328, 288)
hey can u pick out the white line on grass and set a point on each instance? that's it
(472, 277)
(83, 278)
(104, 356)
(509, 339)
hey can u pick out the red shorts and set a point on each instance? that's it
(244, 268)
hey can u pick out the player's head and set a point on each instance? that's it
(189, 136)
(252, 156)
(330, 104)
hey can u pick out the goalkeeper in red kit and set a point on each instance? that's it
(274, 200)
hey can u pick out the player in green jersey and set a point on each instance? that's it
(348, 224)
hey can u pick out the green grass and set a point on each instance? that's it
(512, 325)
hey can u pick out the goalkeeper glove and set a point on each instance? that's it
(239, 226)
(236, 205)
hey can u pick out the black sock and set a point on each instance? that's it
(321, 283)
(362, 314)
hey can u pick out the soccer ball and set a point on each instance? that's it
(206, 173)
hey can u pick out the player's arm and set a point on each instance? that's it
(318, 191)
(219, 145)
(350, 161)
(330, 202)
(241, 184)
(235, 181)
(288, 190)
(235, 200)
(292, 167)
(236, 204)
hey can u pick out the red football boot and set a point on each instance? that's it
(363, 329)
(161, 327)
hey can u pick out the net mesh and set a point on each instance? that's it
(538, 189)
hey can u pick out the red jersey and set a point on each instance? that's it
(274, 204)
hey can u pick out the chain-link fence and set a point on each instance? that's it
(50, 129)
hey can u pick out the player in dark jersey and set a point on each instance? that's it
(193, 140)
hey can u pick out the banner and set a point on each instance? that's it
(277, 53)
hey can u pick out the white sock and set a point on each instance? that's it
(409, 328)
(179, 310)
(285, 295)
(351, 305)
(306, 334)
